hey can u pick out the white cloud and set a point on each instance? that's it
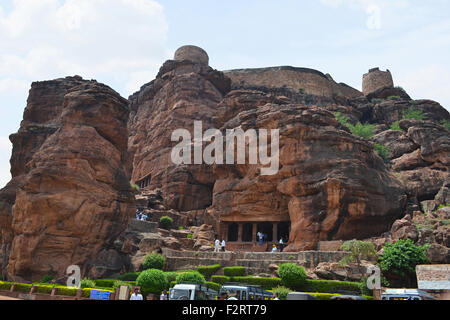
(428, 82)
(99, 39)
(5, 154)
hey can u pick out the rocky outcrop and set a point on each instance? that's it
(73, 197)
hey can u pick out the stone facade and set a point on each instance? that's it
(376, 79)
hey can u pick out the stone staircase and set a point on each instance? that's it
(254, 262)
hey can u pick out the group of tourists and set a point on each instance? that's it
(219, 245)
(140, 215)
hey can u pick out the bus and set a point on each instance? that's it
(236, 291)
(188, 291)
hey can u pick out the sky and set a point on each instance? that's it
(123, 43)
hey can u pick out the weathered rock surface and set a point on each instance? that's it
(74, 196)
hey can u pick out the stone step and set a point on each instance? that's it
(142, 226)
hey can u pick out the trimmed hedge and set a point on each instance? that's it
(329, 286)
(5, 285)
(213, 285)
(265, 283)
(154, 261)
(105, 283)
(152, 281)
(22, 287)
(190, 277)
(237, 271)
(220, 279)
(208, 271)
(130, 276)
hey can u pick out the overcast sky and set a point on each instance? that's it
(122, 43)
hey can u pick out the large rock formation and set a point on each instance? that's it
(70, 196)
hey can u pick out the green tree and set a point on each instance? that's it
(382, 151)
(402, 257)
(154, 261)
(358, 251)
(152, 281)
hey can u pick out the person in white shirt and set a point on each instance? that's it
(223, 245)
(217, 246)
(163, 295)
(274, 249)
(136, 295)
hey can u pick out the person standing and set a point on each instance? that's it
(217, 246)
(163, 295)
(261, 238)
(223, 245)
(281, 244)
(136, 295)
(275, 296)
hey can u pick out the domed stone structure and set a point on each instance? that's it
(375, 80)
(192, 53)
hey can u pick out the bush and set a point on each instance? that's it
(22, 287)
(237, 271)
(66, 291)
(213, 285)
(382, 151)
(166, 222)
(152, 281)
(43, 288)
(292, 275)
(105, 283)
(415, 114)
(208, 271)
(265, 283)
(86, 283)
(365, 131)
(396, 126)
(446, 124)
(47, 279)
(190, 236)
(393, 98)
(220, 279)
(190, 277)
(154, 261)
(323, 296)
(282, 292)
(5, 285)
(402, 257)
(329, 286)
(131, 276)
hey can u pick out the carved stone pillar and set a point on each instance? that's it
(275, 232)
(241, 226)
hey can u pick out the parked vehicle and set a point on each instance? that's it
(406, 294)
(300, 296)
(192, 292)
(347, 297)
(236, 291)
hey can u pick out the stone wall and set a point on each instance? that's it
(376, 79)
(299, 79)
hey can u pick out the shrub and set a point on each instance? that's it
(213, 285)
(190, 277)
(415, 114)
(393, 98)
(358, 251)
(47, 279)
(190, 236)
(344, 120)
(172, 284)
(446, 124)
(43, 288)
(154, 261)
(105, 283)
(237, 271)
(266, 283)
(365, 131)
(377, 101)
(152, 281)
(396, 126)
(86, 283)
(208, 271)
(135, 187)
(131, 276)
(329, 286)
(402, 257)
(292, 275)
(180, 228)
(220, 279)
(66, 291)
(22, 287)
(323, 296)
(86, 293)
(382, 151)
(5, 285)
(166, 222)
(282, 292)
